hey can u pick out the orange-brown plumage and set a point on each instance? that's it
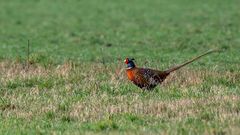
(146, 78)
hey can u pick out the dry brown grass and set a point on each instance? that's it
(96, 108)
(115, 74)
(186, 77)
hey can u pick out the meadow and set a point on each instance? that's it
(76, 82)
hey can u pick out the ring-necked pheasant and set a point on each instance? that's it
(146, 78)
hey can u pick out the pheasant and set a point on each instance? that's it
(148, 79)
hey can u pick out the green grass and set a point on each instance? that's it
(76, 82)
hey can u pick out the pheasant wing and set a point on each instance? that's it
(154, 77)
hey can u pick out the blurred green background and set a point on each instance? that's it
(158, 31)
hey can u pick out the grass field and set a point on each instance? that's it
(76, 83)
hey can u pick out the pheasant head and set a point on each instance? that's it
(130, 63)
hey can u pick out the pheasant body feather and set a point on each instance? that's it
(146, 78)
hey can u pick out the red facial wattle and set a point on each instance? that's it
(126, 60)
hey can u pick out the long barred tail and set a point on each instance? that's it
(190, 61)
